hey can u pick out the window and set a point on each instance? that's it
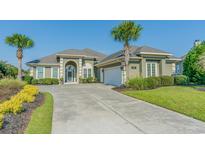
(173, 68)
(133, 67)
(177, 68)
(87, 72)
(151, 69)
(54, 72)
(39, 72)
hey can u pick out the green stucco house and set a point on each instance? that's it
(73, 64)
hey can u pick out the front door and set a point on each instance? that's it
(70, 76)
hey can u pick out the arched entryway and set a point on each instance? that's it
(70, 72)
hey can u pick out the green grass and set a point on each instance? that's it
(41, 119)
(185, 100)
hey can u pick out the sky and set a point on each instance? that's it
(50, 37)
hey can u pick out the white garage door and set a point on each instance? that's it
(113, 76)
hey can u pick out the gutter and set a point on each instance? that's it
(43, 64)
(155, 53)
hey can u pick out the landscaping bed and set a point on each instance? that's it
(17, 123)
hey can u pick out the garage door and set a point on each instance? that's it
(113, 76)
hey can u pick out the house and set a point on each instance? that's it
(73, 64)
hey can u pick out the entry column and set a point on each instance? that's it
(61, 67)
(80, 67)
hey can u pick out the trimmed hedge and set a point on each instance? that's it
(152, 82)
(45, 81)
(181, 80)
(88, 80)
(137, 83)
(140, 83)
(167, 80)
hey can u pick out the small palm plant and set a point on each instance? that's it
(125, 32)
(20, 42)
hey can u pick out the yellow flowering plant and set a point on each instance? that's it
(14, 105)
(1, 120)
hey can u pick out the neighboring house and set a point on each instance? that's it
(74, 64)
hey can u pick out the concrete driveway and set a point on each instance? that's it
(96, 108)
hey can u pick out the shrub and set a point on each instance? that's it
(11, 84)
(167, 80)
(34, 81)
(7, 70)
(55, 81)
(181, 80)
(28, 79)
(1, 120)
(41, 81)
(150, 82)
(153, 82)
(137, 83)
(88, 80)
(45, 81)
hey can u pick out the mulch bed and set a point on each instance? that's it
(201, 89)
(121, 89)
(16, 124)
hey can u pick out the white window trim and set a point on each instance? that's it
(156, 71)
(52, 72)
(87, 71)
(173, 68)
(44, 72)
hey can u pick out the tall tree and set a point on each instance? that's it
(193, 65)
(20, 42)
(125, 32)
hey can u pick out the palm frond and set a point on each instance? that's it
(126, 31)
(19, 41)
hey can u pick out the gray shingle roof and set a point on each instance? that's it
(84, 52)
(134, 51)
(52, 59)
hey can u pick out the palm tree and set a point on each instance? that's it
(125, 32)
(20, 42)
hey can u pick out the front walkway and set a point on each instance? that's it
(96, 108)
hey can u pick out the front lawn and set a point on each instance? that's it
(185, 100)
(41, 119)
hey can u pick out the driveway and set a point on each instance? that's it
(96, 108)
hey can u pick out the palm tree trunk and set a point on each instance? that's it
(127, 57)
(19, 55)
